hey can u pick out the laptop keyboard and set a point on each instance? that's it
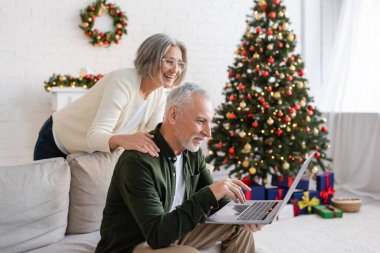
(257, 211)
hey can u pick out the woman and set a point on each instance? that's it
(121, 108)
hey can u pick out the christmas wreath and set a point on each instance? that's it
(97, 9)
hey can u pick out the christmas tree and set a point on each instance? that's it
(267, 123)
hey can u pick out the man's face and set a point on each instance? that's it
(194, 123)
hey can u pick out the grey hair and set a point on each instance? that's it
(150, 53)
(181, 95)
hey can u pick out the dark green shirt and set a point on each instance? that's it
(141, 194)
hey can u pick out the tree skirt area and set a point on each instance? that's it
(355, 232)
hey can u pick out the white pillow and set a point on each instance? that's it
(34, 201)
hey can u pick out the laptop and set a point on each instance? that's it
(256, 211)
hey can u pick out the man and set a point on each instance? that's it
(164, 200)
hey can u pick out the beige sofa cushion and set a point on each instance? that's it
(34, 201)
(90, 178)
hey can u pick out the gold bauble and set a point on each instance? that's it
(279, 36)
(270, 121)
(249, 35)
(300, 85)
(308, 119)
(62, 78)
(314, 169)
(280, 14)
(292, 68)
(242, 134)
(315, 131)
(303, 103)
(242, 104)
(247, 147)
(285, 165)
(246, 163)
(256, 56)
(292, 137)
(270, 47)
(290, 36)
(252, 171)
(118, 26)
(279, 102)
(276, 95)
(262, 2)
(117, 37)
(84, 25)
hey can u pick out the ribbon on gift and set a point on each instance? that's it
(325, 194)
(280, 193)
(306, 202)
(333, 210)
(282, 178)
(327, 176)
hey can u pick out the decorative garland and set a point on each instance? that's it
(86, 81)
(97, 9)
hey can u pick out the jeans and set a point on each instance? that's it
(45, 146)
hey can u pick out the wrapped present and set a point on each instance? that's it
(296, 209)
(327, 195)
(275, 193)
(325, 181)
(309, 199)
(327, 211)
(257, 192)
(283, 181)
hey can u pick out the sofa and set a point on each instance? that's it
(56, 205)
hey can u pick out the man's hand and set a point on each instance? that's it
(252, 227)
(138, 141)
(231, 188)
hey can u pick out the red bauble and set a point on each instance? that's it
(257, 69)
(269, 88)
(92, 8)
(270, 59)
(292, 110)
(289, 78)
(241, 86)
(280, 45)
(289, 93)
(272, 14)
(219, 145)
(262, 100)
(250, 115)
(232, 134)
(276, 2)
(265, 73)
(232, 98)
(110, 6)
(269, 32)
(255, 123)
(249, 97)
(237, 76)
(291, 58)
(280, 114)
(230, 74)
(231, 150)
(287, 119)
(243, 53)
(244, 43)
(251, 48)
(324, 129)
(266, 106)
(317, 155)
(232, 116)
(311, 108)
(300, 72)
(299, 160)
(297, 107)
(119, 32)
(310, 113)
(279, 132)
(258, 29)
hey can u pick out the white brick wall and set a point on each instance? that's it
(42, 37)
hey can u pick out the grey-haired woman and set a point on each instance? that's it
(121, 108)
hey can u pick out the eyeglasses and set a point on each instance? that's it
(170, 62)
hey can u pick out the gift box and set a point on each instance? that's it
(328, 211)
(275, 193)
(325, 181)
(283, 181)
(257, 192)
(308, 200)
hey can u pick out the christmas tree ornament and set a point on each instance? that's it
(270, 46)
(242, 104)
(252, 171)
(246, 163)
(300, 85)
(270, 121)
(285, 165)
